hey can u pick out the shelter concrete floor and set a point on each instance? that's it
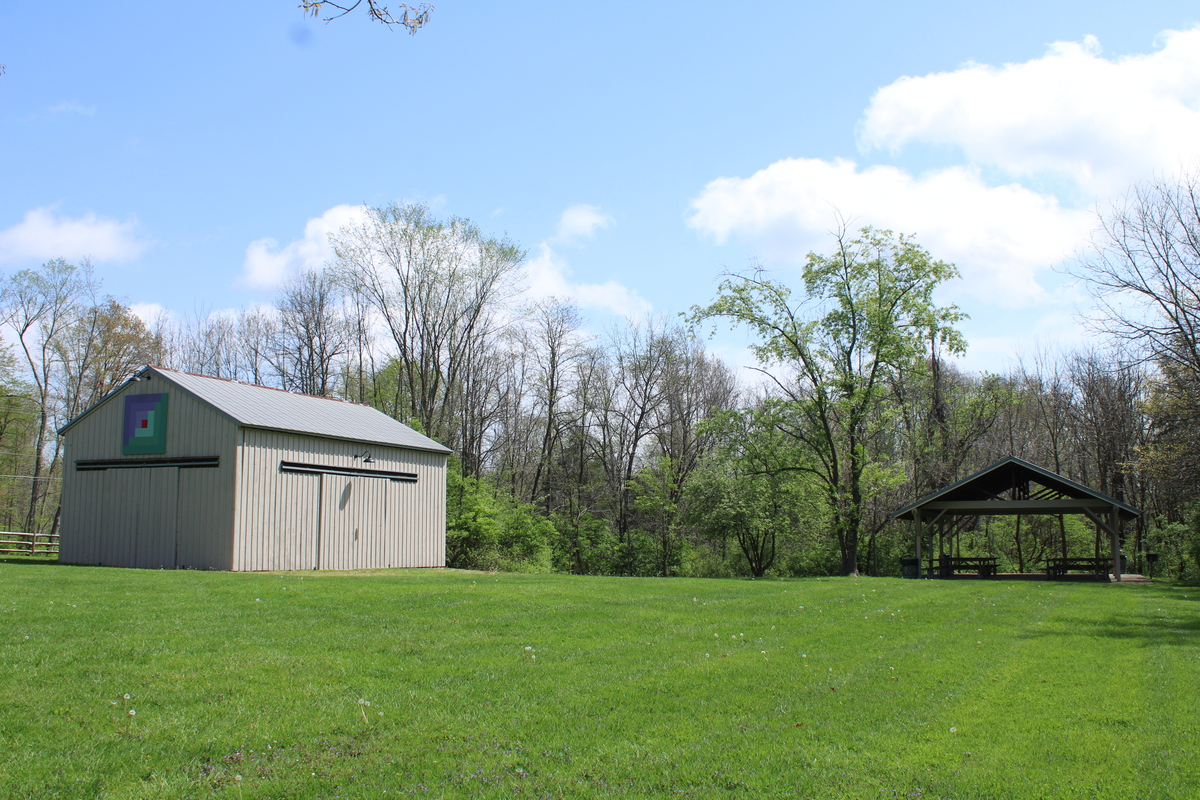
(1078, 577)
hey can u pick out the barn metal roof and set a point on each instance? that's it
(275, 409)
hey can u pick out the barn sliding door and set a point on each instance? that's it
(337, 545)
(149, 518)
(354, 523)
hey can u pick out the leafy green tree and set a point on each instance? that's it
(867, 312)
(659, 497)
(488, 529)
(751, 488)
(472, 519)
(758, 511)
(585, 543)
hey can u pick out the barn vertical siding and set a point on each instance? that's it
(294, 521)
(150, 517)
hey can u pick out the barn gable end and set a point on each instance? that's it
(154, 515)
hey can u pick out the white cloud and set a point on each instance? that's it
(267, 266)
(548, 276)
(1000, 237)
(150, 313)
(72, 107)
(581, 221)
(1103, 123)
(43, 234)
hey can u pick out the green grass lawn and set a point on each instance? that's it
(255, 685)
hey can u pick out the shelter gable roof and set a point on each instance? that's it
(991, 482)
(278, 410)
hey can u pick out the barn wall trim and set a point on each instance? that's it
(323, 469)
(190, 462)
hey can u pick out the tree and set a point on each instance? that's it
(412, 18)
(39, 306)
(868, 312)
(1144, 271)
(313, 334)
(18, 432)
(747, 488)
(556, 326)
(438, 289)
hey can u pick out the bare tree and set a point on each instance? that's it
(256, 345)
(439, 289)
(38, 307)
(207, 344)
(556, 325)
(313, 334)
(1144, 271)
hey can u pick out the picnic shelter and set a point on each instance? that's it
(1012, 487)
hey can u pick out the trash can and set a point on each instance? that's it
(910, 567)
(1151, 559)
(1124, 563)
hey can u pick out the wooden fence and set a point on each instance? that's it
(35, 544)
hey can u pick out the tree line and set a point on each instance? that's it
(637, 451)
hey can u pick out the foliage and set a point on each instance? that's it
(257, 685)
(752, 489)
(584, 544)
(636, 451)
(489, 530)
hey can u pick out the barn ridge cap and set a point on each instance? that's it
(254, 385)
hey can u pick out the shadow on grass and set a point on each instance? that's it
(1148, 632)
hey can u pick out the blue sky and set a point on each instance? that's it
(200, 152)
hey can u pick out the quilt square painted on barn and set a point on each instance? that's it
(145, 430)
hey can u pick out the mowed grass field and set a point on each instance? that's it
(129, 683)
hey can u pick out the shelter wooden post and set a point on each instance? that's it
(1114, 532)
(919, 527)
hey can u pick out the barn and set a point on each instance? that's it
(174, 470)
